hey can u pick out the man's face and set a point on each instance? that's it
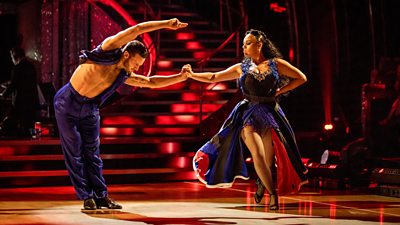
(134, 62)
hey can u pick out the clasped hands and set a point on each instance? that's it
(187, 71)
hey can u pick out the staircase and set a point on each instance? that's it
(150, 135)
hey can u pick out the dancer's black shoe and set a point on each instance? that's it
(107, 203)
(259, 195)
(89, 204)
(273, 202)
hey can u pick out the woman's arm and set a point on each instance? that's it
(298, 77)
(130, 34)
(231, 73)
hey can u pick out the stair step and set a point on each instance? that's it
(171, 71)
(103, 156)
(205, 91)
(195, 35)
(180, 102)
(225, 50)
(205, 32)
(138, 114)
(192, 60)
(180, 15)
(218, 41)
(134, 4)
(150, 126)
(48, 141)
(56, 173)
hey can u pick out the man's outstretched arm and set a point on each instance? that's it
(155, 81)
(130, 34)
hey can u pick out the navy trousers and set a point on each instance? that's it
(78, 122)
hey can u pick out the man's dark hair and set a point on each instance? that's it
(17, 52)
(136, 47)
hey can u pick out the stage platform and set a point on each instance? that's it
(193, 204)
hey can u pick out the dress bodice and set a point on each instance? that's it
(259, 84)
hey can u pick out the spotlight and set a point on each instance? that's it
(330, 157)
(328, 126)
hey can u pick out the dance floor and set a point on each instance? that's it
(192, 203)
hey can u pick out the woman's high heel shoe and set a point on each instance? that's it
(273, 202)
(259, 195)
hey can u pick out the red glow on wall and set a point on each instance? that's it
(326, 68)
(169, 147)
(200, 55)
(7, 151)
(190, 96)
(194, 107)
(165, 64)
(209, 95)
(347, 130)
(184, 36)
(128, 120)
(211, 107)
(177, 86)
(184, 108)
(193, 45)
(186, 119)
(291, 55)
(195, 85)
(114, 131)
(166, 72)
(332, 211)
(168, 131)
(276, 8)
(180, 162)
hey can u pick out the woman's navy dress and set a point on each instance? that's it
(221, 160)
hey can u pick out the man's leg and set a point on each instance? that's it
(66, 112)
(90, 131)
(89, 128)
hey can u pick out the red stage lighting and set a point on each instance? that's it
(184, 36)
(169, 147)
(164, 64)
(200, 55)
(193, 45)
(291, 54)
(276, 8)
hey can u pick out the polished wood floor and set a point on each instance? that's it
(192, 203)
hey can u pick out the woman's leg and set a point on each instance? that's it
(258, 148)
(270, 163)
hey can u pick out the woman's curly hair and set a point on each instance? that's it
(269, 50)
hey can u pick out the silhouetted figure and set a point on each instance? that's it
(24, 94)
(391, 123)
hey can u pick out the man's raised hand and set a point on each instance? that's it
(175, 24)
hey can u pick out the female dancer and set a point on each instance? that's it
(257, 123)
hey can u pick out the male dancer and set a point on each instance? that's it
(100, 72)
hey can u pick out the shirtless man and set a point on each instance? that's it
(100, 73)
